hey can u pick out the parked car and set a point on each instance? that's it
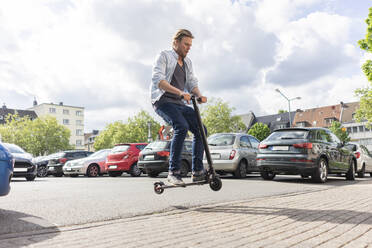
(23, 165)
(233, 153)
(123, 158)
(42, 165)
(6, 169)
(314, 152)
(154, 159)
(91, 166)
(363, 158)
(57, 160)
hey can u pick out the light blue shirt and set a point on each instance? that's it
(163, 69)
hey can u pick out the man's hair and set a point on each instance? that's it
(182, 33)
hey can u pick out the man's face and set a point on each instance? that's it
(182, 47)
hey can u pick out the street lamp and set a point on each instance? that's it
(149, 138)
(289, 104)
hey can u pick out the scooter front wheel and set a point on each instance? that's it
(215, 183)
(158, 187)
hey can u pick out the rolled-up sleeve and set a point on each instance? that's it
(158, 71)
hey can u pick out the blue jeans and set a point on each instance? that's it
(182, 118)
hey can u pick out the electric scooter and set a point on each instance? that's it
(211, 177)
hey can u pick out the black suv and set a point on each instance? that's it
(154, 158)
(57, 160)
(314, 152)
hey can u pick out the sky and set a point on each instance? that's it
(98, 54)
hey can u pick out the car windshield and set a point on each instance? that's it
(288, 134)
(14, 148)
(221, 140)
(120, 148)
(99, 154)
(157, 145)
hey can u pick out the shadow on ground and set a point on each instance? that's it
(14, 225)
(304, 215)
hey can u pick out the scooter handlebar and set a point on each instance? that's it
(188, 97)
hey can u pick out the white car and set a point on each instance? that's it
(91, 166)
(363, 157)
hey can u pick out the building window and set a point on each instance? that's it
(66, 121)
(79, 143)
(66, 112)
(355, 129)
(361, 130)
(52, 110)
(366, 129)
(79, 132)
(79, 122)
(79, 113)
(301, 124)
(349, 129)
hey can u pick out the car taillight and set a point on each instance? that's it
(303, 145)
(163, 154)
(232, 154)
(262, 146)
(357, 154)
(62, 160)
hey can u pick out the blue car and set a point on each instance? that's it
(6, 170)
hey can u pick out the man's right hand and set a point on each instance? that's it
(186, 96)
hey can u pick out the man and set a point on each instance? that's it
(173, 80)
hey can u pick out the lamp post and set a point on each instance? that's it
(289, 104)
(149, 138)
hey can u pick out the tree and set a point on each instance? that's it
(281, 111)
(365, 110)
(260, 131)
(339, 131)
(134, 131)
(217, 117)
(39, 137)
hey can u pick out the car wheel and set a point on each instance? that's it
(184, 168)
(30, 178)
(370, 174)
(321, 174)
(92, 171)
(350, 175)
(267, 175)
(362, 172)
(42, 171)
(135, 171)
(241, 170)
(152, 173)
(115, 173)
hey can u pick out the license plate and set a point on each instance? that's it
(20, 170)
(215, 156)
(149, 157)
(280, 148)
(68, 169)
(51, 168)
(113, 166)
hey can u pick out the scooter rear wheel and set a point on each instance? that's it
(158, 187)
(215, 183)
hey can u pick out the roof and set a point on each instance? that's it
(318, 116)
(272, 121)
(21, 113)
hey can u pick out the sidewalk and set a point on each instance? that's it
(336, 217)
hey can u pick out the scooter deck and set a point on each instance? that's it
(167, 186)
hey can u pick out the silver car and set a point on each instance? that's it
(91, 166)
(363, 158)
(233, 153)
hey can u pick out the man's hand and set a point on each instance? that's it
(202, 99)
(186, 96)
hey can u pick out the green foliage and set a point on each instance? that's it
(38, 137)
(365, 110)
(339, 131)
(260, 131)
(217, 117)
(281, 111)
(134, 131)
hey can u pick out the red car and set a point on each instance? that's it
(123, 158)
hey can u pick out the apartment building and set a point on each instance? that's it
(70, 116)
